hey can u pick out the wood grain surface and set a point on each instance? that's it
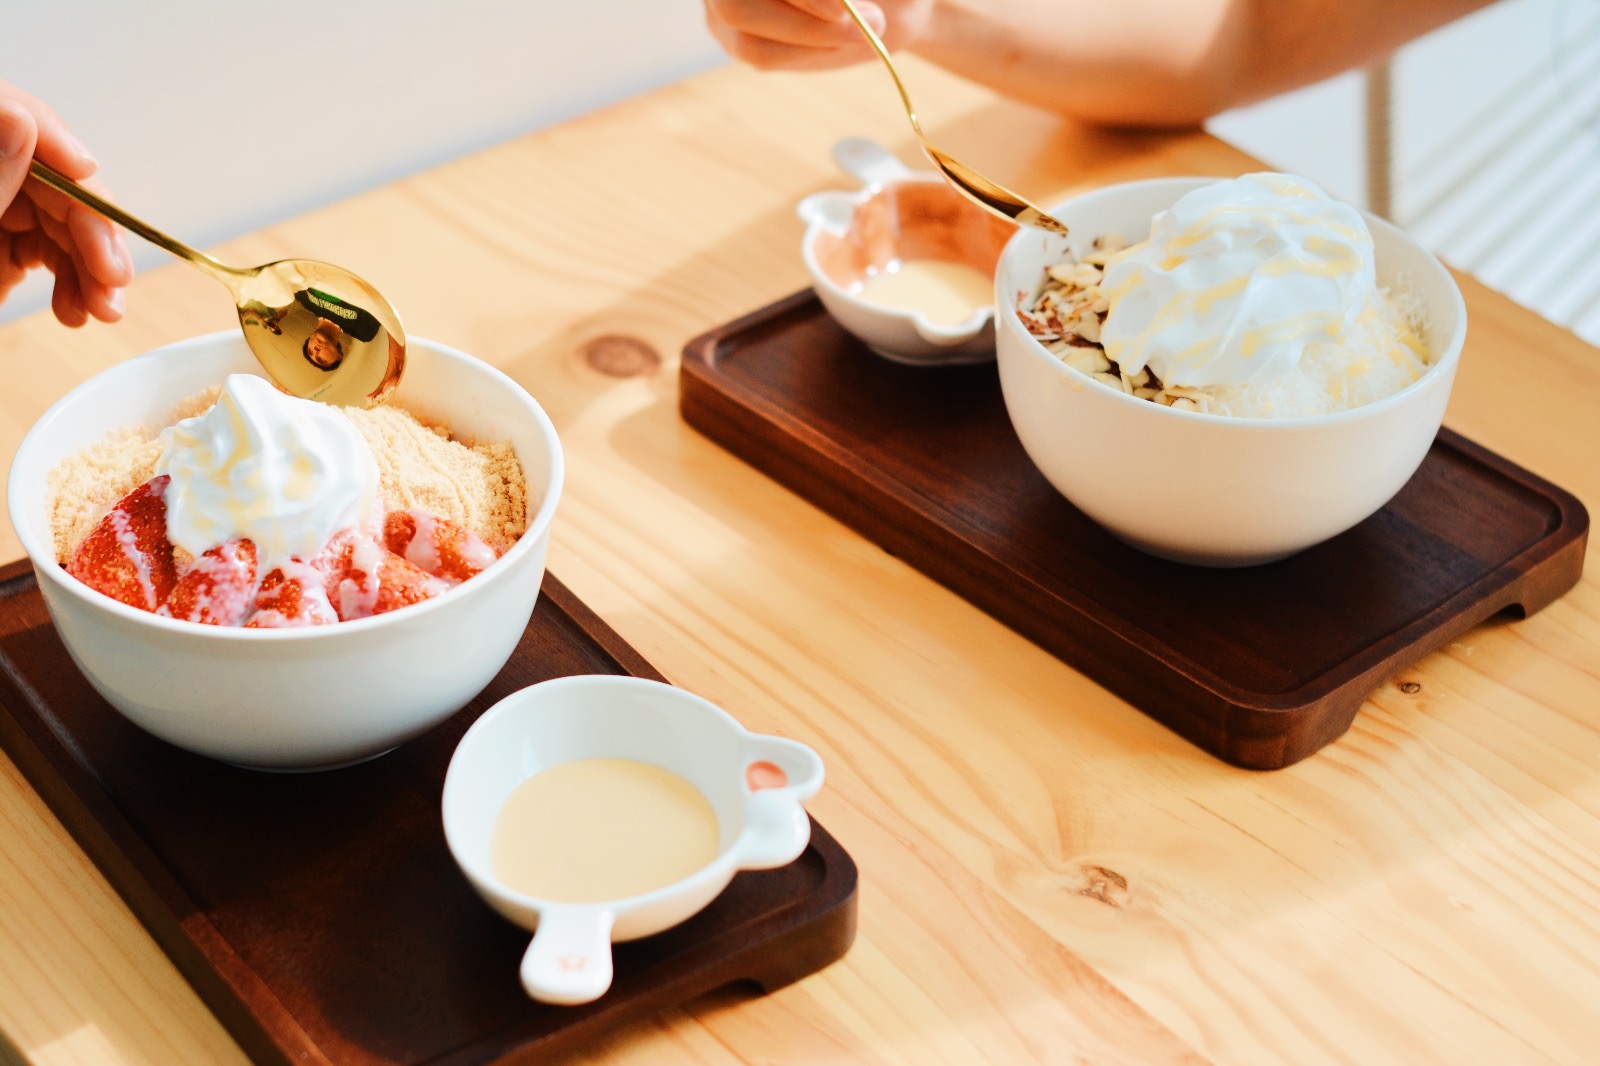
(1046, 874)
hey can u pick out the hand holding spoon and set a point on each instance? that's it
(992, 197)
(318, 330)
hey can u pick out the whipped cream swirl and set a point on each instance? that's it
(1236, 280)
(283, 472)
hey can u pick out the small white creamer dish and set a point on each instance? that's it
(901, 221)
(755, 784)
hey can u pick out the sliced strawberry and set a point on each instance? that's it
(364, 578)
(127, 556)
(291, 595)
(218, 588)
(437, 545)
(333, 563)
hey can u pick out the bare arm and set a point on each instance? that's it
(1167, 61)
(1141, 62)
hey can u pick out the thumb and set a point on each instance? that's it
(18, 135)
(874, 16)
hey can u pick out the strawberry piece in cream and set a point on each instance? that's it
(292, 595)
(437, 545)
(365, 578)
(218, 588)
(127, 556)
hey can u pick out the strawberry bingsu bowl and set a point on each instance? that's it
(288, 586)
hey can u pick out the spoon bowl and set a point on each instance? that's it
(319, 331)
(989, 195)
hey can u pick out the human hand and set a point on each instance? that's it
(811, 34)
(41, 227)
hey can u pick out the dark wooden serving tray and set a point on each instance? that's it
(1260, 666)
(321, 916)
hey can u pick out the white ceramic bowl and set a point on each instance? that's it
(756, 785)
(898, 215)
(1211, 489)
(291, 699)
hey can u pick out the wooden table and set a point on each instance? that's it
(1046, 874)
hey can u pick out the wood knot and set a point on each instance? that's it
(1410, 688)
(1099, 883)
(618, 356)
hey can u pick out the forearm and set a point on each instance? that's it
(1166, 62)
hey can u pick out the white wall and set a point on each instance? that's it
(213, 118)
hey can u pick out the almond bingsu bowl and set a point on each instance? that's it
(306, 698)
(1200, 487)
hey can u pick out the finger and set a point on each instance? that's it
(94, 298)
(870, 13)
(56, 145)
(96, 247)
(66, 301)
(101, 301)
(822, 9)
(55, 229)
(765, 54)
(787, 24)
(58, 204)
(47, 201)
(11, 272)
(19, 217)
(119, 241)
(734, 12)
(50, 205)
(27, 249)
(17, 137)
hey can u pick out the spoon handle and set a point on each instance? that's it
(883, 54)
(67, 187)
(992, 197)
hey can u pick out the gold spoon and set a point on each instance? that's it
(319, 331)
(996, 199)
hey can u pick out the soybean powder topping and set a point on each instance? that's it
(479, 486)
(85, 486)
